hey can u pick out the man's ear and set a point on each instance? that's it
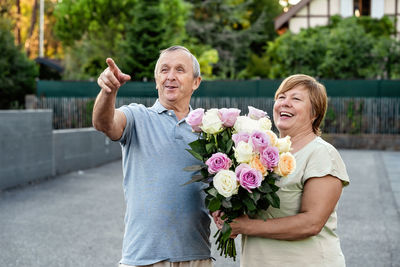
(196, 83)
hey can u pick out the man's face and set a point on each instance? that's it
(174, 78)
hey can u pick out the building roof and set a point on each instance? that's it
(286, 16)
(51, 63)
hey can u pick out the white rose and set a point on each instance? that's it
(245, 124)
(226, 183)
(264, 124)
(243, 152)
(284, 144)
(212, 124)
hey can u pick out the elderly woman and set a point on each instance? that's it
(303, 231)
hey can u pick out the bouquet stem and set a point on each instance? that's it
(227, 247)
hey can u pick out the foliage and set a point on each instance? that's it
(17, 72)
(157, 24)
(348, 48)
(90, 31)
(232, 27)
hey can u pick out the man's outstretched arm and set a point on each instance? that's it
(105, 117)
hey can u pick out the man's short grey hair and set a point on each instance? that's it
(196, 65)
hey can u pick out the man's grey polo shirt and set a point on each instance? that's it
(164, 220)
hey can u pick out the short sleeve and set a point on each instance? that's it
(129, 111)
(326, 160)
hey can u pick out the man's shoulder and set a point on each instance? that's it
(135, 108)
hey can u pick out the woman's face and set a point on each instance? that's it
(293, 112)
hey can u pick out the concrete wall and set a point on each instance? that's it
(26, 146)
(30, 149)
(76, 149)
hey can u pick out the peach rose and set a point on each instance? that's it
(286, 165)
(255, 163)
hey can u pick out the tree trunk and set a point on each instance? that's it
(33, 23)
(18, 28)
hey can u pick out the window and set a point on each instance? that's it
(362, 7)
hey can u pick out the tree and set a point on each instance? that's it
(232, 27)
(17, 72)
(90, 31)
(157, 24)
(350, 48)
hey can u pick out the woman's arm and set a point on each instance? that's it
(319, 199)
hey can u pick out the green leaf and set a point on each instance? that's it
(236, 204)
(226, 204)
(214, 204)
(195, 178)
(255, 196)
(226, 231)
(199, 146)
(193, 168)
(210, 147)
(249, 203)
(195, 154)
(265, 188)
(274, 200)
(262, 215)
(229, 146)
(212, 191)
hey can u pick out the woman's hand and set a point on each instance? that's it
(238, 225)
(217, 219)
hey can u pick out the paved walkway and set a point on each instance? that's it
(77, 219)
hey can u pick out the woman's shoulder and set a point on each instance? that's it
(319, 145)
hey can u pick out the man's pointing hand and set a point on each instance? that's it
(112, 78)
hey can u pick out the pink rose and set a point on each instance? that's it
(217, 162)
(256, 114)
(260, 140)
(270, 157)
(248, 177)
(237, 137)
(228, 116)
(195, 118)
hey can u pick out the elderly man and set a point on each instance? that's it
(166, 224)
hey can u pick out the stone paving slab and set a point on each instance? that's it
(77, 219)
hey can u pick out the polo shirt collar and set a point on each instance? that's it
(160, 108)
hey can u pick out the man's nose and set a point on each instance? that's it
(171, 75)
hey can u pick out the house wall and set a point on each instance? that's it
(317, 12)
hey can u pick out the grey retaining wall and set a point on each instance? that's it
(30, 149)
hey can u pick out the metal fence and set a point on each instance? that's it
(353, 115)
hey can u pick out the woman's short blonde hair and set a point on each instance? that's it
(317, 92)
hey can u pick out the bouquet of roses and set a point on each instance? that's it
(242, 159)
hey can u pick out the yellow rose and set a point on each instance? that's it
(255, 163)
(284, 144)
(286, 165)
